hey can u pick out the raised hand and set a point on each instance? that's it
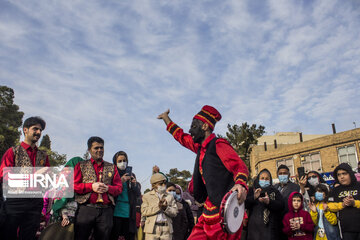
(265, 199)
(257, 193)
(312, 206)
(164, 114)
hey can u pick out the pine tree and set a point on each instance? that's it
(46, 142)
(242, 138)
(10, 120)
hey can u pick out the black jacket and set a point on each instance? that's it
(257, 229)
(286, 191)
(349, 217)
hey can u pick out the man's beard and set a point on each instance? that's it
(34, 139)
(199, 136)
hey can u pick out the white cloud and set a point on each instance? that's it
(109, 68)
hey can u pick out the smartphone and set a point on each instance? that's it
(128, 170)
(262, 194)
(301, 172)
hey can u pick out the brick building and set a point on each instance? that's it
(321, 153)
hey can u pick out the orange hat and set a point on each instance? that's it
(209, 115)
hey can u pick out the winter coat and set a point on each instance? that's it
(306, 224)
(286, 191)
(349, 217)
(330, 223)
(257, 229)
(180, 223)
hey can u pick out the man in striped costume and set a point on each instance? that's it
(217, 170)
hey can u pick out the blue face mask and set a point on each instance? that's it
(172, 193)
(264, 183)
(283, 178)
(177, 197)
(319, 196)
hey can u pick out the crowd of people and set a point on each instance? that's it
(310, 209)
(108, 203)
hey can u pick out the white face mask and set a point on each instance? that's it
(161, 189)
(313, 182)
(121, 165)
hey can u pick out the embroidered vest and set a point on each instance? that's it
(22, 159)
(89, 176)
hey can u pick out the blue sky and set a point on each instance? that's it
(108, 68)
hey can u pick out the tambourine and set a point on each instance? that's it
(231, 213)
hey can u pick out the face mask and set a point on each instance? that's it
(264, 183)
(161, 189)
(172, 193)
(283, 178)
(319, 196)
(177, 197)
(313, 182)
(121, 165)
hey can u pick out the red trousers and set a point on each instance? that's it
(202, 231)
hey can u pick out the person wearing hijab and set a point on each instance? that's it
(180, 221)
(125, 208)
(186, 204)
(308, 185)
(265, 205)
(344, 199)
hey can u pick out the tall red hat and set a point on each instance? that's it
(209, 115)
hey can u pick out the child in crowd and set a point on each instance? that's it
(159, 208)
(297, 223)
(325, 221)
(345, 199)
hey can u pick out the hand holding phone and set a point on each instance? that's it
(301, 172)
(128, 171)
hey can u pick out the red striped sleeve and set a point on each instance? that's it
(183, 138)
(232, 162)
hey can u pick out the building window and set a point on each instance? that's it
(289, 162)
(347, 154)
(311, 162)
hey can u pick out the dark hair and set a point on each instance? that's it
(282, 166)
(120, 153)
(324, 189)
(94, 139)
(31, 121)
(170, 184)
(297, 195)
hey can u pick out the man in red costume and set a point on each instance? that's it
(96, 184)
(217, 170)
(23, 214)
